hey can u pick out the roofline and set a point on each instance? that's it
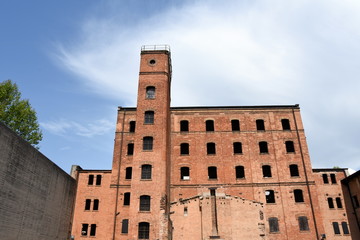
(349, 178)
(329, 169)
(94, 170)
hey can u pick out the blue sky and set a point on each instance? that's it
(78, 60)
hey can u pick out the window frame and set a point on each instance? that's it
(237, 148)
(263, 147)
(211, 148)
(260, 125)
(184, 149)
(239, 172)
(184, 173)
(235, 125)
(273, 225)
(146, 172)
(299, 196)
(144, 230)
(149, 117)
(184, 126)
(210, 125)
(144, 203)
(148, 143)
(212, 173)
(285, 123)
(150, 92)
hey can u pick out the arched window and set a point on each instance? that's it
(266, 169)
(237, 147)
(270, 196)
(144, 230)
(184, 173)
(148, 143)
(144, 203)
(303, 223)
(294, 170)
(211, 149)
(235, 125)
(290, 147)
(212, 173)
(285, 124)
(184, 149)
(298, 195)
(260, 126)
(149, 117)
(263, 147)
(146, 171)
(184, 126)
(209, 125)
(239, 171)
(273, 224)
(150, 92)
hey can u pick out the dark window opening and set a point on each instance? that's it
(325, 178)
(84, 229)
(235, 125)
(93, 230)
(91, 180)
(184, 173)
(345, 228)
(144, 203)
(211, 149)
(333, 178)
(330, 202)
(212, 192)
(126, 199)
(270, 196)
(98, 180)
(87, 204)
(132, 126)
(298, 195)
(209, 125)
(212, 173)
(125, 226)
(266, 169)
(273, 224)
(294, 170)
(150, 92)
(144, 229)
(148, 143)
(96, 204)
(338, 202)
(356, 201)
(184, 149)
(146, 171)
(149, 117)
(184, 126)
(260, 126)
(128, 173)
(239, 171)
(303, 223)
(336, 227)
(263, 147)
(285, 124)
(130, 149)
(185, 211)
(237, 147)
(290, 147)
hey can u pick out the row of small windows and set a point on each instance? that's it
(85, 229)
(331, 202)
(145, 172)
(143, 229)
(94, 203)
(270, 196)
(344, 226)
(91, 180)
(144, 203)
(326, 178)
(274, 224)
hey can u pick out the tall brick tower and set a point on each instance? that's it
(142, 152)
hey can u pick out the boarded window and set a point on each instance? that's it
(345, 227)
(144, 203)
(270, 196)
(184, 149)
(184, 126)
(144, 229)
(184, 173)
(84, 229)
(125, 226)
(263, 147)
(289, 146)
(212, 173)
(128, 173)
(266, 169)
(149, 117)
(91, 180)
(146, 171)
(209, 125)
(273, 224)
(235, 125)
(150, 92)
(237, 147)
(98, 180)
(239, 171)
(285, 124)
(333, 178)
(130, 149)
(338, 202)
(147, 143)
(336, 227)
(260, 126)
(211, 149)
(330, 202)
(93, 230)
(132, 126)
(325, 178)
(87, 204)
(294, 170)
(126, 199)
(298, 195)
(303, 223)
(96, 204)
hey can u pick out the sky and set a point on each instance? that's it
(77, 61)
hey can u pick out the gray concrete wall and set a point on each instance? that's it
(36, 196)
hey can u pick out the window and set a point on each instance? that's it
(273, 224)
(93, 230)
(144, 229)
(130, 149)
(96, 205)
(125, 226)
(211, 148)
(285, 124)
(128, 173)
(144, 203)
(260, 126)
(338, 202)
(336, 227)
(149, 117)
(289, 146)
(84, 229)
(263, 147)
(266, 169)
(239, 171)
(98, 180)
(185, 211)
(209, 125)
(212, 173)
(184, 126)
(303, 223)
(235, 125)
(184, 149)
(91, 180)
(356, 201)
(298, 195)
(333, 178)
(330, 202)
(237, 147)
(270, 196)
(345, 228)
(294, 170)
(146, 171)
(87, 204)
(132, 126)
(150, 92)
(184, 173)
(126, 199)
(325, 178)
(148, 143)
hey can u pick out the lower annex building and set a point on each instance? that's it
(190, 173)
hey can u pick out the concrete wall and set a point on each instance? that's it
(36, 195)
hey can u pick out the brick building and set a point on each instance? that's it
(232, 172)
